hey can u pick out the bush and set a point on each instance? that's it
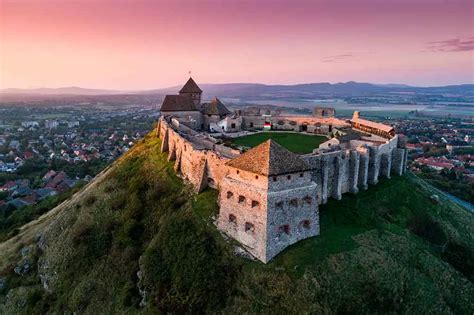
(461, 257)
(92, 241)
(130, 233)
(90, 200)
(427, 228)
(185, 269)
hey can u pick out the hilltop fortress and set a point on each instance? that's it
(269, 196)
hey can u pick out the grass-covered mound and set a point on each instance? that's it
(137, 241)
(295, 142)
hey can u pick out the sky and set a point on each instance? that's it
(133, 45)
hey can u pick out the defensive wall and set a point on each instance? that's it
(201, 161)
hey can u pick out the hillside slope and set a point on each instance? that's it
(136, 240)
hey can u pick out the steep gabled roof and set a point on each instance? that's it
(176, 103)
(269, 158)
(215, 107)
(190, 87)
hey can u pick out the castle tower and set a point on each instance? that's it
(268, 200)
(192, 90)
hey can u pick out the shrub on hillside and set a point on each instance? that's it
(461, 257)
(184, 268)
(427, 228)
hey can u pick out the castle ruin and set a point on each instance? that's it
(269, 196)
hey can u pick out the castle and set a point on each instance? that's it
(269, 196)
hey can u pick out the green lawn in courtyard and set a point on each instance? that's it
(295, 142)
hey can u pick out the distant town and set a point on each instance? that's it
(442, 152)
(46, 151)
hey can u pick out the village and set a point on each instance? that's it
(43, 156)
(441, 152)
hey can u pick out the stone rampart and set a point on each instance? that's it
(250, 205)
(335, 173)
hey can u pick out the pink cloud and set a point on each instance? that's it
(336, 58)
(452, 45)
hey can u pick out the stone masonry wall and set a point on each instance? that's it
(269, 203)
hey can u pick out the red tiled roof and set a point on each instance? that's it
(177, 103)
(269, 158)
(215, 107)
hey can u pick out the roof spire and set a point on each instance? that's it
(190, 87)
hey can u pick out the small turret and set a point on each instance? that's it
(356, 115)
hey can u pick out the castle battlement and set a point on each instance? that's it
(269, 196)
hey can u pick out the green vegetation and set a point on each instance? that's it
(11, 218)
(295, 142)
(388, 249)
(452, 181)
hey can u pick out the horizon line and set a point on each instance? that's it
(225, 83)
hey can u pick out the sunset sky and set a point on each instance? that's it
(130, 45)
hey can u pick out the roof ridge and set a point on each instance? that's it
(269, 158)
(190, 87)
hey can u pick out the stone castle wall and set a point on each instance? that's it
(335, 173)
(317, 125)
(350, 170)
(270, 204)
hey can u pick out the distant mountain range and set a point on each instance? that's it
(71, 90)
(249, 90)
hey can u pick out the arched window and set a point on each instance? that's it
(308, 199)
(289, 177)
(279, 204)
(306, 224)
(294, 202)
(241, 199)
(275, 178)
(255, 203)
(284, 229)
(230, 194)
(249, 227)
(232, 218)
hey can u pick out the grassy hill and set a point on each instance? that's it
(136, 240)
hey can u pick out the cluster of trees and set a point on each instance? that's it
(451, 181)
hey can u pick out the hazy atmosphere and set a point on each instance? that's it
(236, 157)
(129, 45)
